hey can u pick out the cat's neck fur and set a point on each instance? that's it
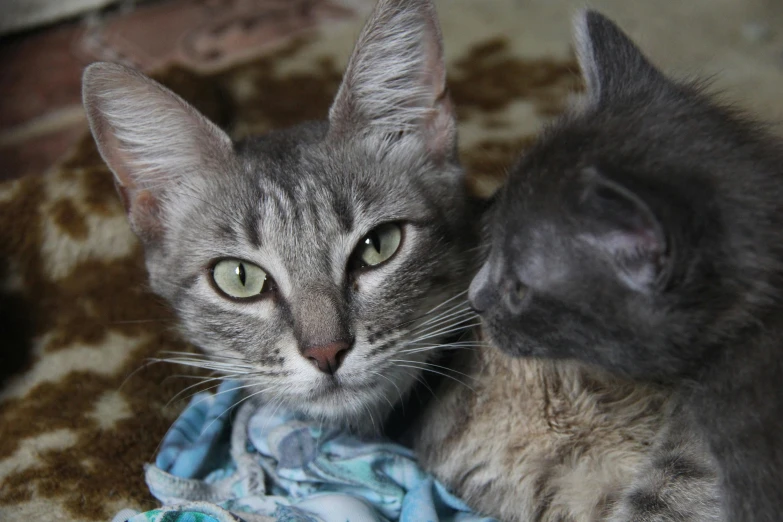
(733, 400)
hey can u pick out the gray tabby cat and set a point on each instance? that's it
(644, 234)
(315, 262)
(321, 264)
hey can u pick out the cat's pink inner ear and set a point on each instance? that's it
(440, 124)
(144, 212)
(638, 251)
(141, 206)
(440, 128)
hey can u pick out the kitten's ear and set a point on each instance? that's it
(623, 228)
(395, 82)
(149, 137)
(611, 63)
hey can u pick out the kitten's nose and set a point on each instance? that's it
(327, 357)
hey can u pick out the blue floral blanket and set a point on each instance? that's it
(261, 463)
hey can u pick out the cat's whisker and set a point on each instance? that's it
(372, 420)
(463, 314)
(236, 404)
(212, 395)
(440, 324)
(144, 366)
(425, 314)
(447, 301)
(188, 376)
(137, 321)
(399, 392)
(434, 343)
(439, 347)
(429, 364)
(437, 372)
(192, 395)
(420, 379)
(444, 319)
(207, 356)
(203, 381)
(448, 330)
(445, 312)
(473, 344)
(209, 364)
(279, 399)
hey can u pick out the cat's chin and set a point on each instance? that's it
(362, 409)
(343, 410)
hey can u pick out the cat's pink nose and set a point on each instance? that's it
(327, 357)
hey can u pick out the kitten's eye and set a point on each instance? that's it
(240, 279)
(521, 290)
(378, 246)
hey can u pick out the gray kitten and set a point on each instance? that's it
(309, 262)
(643, 233)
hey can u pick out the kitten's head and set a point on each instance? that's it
(305, 261)
(638, 233)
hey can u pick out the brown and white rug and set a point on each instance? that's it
(81, 410)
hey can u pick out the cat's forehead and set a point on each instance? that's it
(302, 205)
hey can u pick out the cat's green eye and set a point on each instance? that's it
(521, 291)
(378, 245)
(240, 279)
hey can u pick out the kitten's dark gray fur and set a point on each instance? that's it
(644, 233)
(298, 203)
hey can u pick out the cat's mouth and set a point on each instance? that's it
(334, 386)
(353, 400)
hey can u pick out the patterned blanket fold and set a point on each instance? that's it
(266, 463)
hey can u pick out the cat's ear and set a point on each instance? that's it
(395, 82)
(149, 137)
(622, 227)
(610, 62)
